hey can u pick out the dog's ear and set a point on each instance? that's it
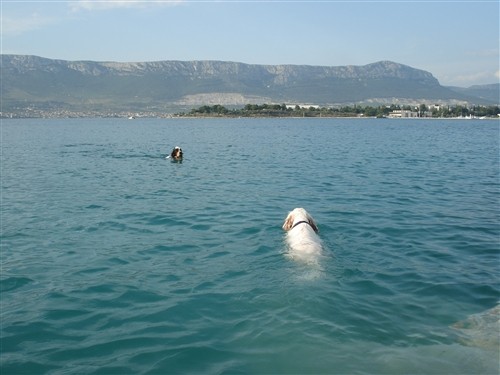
(312, 223)
(287, 225)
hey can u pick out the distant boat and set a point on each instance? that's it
(131, 117)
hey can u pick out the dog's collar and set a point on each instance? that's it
(301, 222)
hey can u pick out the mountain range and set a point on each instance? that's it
(36, 82)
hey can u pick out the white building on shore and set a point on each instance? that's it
(402, 113)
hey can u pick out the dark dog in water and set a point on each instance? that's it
(176, 153)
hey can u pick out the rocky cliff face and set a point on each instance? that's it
(200, 69)
(136, 85)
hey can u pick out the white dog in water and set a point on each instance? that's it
(303, 242)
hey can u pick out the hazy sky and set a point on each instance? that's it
(457, 41)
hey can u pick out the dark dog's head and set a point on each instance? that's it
(176, 153)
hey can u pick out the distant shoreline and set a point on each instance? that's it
(275, 111)
(240, 118)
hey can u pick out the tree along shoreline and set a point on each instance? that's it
(282, 110)
(274, 111)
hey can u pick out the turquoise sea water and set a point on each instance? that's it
(115, 260)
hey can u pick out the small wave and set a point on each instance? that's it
(13, 283)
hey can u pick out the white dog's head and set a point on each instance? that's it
(303, 242)
(298, 216)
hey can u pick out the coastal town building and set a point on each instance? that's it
(402, 113)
